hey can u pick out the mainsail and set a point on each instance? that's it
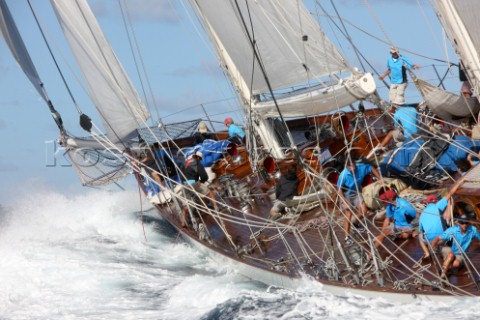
(460, 20)
(276, 47)
(108, 86)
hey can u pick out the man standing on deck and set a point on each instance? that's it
(350, 191)
(196, 177)
(397, 70)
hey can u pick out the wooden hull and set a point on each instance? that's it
(308, 243)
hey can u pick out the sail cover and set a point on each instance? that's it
(17, 47)
(288, 40)
(460, 20)
(446, 104)
(108, 86)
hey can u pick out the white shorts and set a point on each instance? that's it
(278, 206)
(398, 135)
(446, 250)
(353, 199)
(397, 93)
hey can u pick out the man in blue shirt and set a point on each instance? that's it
(398, 214)
(350, 191)
(406, 124)
(397, 70)
(433, 219)
(235, 134)
(462, 234)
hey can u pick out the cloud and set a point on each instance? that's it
(99, 9)
(157, 10)
(141, 10)
(207, 68)
(7, 167)
(383, 2)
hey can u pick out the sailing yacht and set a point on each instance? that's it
(293, 84)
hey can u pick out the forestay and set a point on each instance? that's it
(108, 86)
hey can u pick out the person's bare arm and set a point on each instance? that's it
(384, 75)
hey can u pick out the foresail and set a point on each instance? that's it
(460, 20)
(17, 47)
(290, 43)
(446, 104)
(108, 86)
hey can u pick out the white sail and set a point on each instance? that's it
(17, 47)
(446, 104)
(304, 69)
(109, 87)
(291, 46)
(460, 20)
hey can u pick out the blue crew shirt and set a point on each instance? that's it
(431, 221)
(233, 131)
(400, 211)
(463, 239)
(398, 73)
(407, 117)
(348, 181)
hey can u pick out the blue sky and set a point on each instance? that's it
(182, 71)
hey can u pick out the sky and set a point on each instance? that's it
(182, 72)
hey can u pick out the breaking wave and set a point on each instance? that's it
(95, 256)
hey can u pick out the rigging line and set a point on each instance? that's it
(53, 58)
(428, 24)
(123, 9)
(208, 45)
(267, 81)
(349, 38)
(152, 96)
(387, 43)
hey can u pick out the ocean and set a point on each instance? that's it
(97, 256)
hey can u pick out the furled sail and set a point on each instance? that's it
(298, 59)
(17, 47)
(446, 104)
(108, 86)
(460, 20)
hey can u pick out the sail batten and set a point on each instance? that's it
(108, 86)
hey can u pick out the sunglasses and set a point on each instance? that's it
(462, 222)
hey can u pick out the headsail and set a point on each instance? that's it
(109, 87)
(17, 47)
